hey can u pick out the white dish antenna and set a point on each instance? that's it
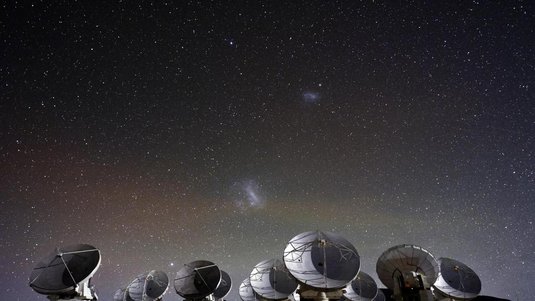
(224, 286)
(127, 296)
(148, 286)
(322, 260)
(119, 294)
(456, 280)
(197, 279)
(271, 280)
(67, 272)
(402, 259)
(246, 291)
(362, 288)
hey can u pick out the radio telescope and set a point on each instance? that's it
(66, 273)
(456, 281)
(271, 280)
(322, 262)
(197, 279)
(119, 294)
(149, 286)
(408, 271)
(246, 291)
(362, 288)
(224, 286)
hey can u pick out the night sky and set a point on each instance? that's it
(164, 133)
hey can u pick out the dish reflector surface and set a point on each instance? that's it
(362, 288)
(380, 296)
(406, 258)
(135, 288)
(156, 284)
(246, 291)
(148, 286)
(322, 260)
(270, 279)
(127, 296)
(197, 279)
(457, 280)
(61, 271)
(224, 286)
(119, 294)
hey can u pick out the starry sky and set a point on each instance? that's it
(167, 132)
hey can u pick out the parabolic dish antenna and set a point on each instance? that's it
(405, 259)
(271, 280)
(119, 294)
(380, 296)
(246, 291)
(67, 271)
(148, 286)
(322, 260)
(224, 286)
(127, 296)
(197, 279)
(362, 288)
(456, 280)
